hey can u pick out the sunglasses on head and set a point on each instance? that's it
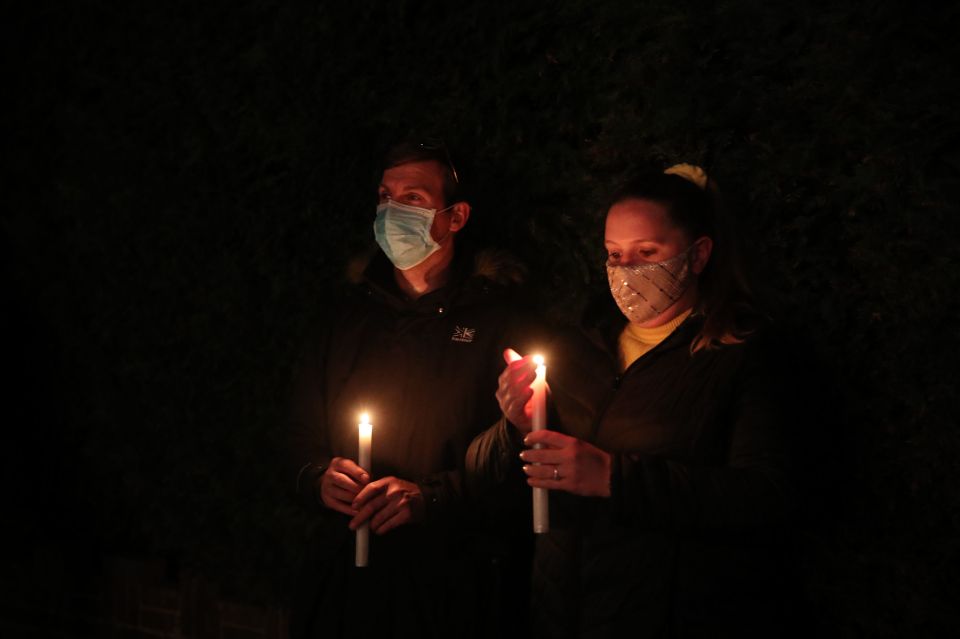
(437, 144)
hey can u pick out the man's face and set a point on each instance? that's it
(418, 184)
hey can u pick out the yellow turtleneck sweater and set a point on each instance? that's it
(635, 341)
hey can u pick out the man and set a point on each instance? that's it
(417, 347)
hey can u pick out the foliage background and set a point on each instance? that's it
(186, 181)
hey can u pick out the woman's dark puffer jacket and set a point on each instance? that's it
(691, 541)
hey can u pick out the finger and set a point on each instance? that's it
(521, 379)
(400, 518)
(508, 387)
(517, 372)
(350, 468)
(343, 482)
(367, 512)
(512, 380)
(339, 494)
(517, 401)
(543, 471)
(516, 412)
(515, 381)
(525, 366)
(543, 456)
(513, 396)
(549, 438)
(391, 508)
(519, 365)
(510, 355)
(370, 491)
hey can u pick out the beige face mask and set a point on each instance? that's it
(644, 291)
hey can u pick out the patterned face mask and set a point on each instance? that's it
(643, 291)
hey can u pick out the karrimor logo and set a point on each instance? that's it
(463, 334)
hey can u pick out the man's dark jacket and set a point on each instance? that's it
(691, 541)
(426, 371)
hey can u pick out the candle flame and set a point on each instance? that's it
(538, 360)
(366, 428)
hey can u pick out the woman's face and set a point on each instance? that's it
(640, 231)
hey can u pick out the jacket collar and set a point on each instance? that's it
(603, 323)
(474, 274)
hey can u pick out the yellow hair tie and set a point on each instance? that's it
(690, 173)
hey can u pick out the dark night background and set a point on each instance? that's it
(186, 180)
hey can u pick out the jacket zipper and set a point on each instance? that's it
(617, 380)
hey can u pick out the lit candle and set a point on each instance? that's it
(541, 504)
(363, 459)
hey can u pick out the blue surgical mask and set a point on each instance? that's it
(403, 232)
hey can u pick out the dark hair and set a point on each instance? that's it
(428, 150)
(725, 298)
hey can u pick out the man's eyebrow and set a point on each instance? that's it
(642, 240)
(414, 188)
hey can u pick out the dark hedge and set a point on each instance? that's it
(187, 180)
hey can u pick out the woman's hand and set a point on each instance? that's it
(387, 503)
(513, 389)
(566, 463)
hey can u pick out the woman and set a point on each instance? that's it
(666, 458)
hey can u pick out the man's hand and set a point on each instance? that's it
(513, 389)
(387, 503)
(341, 483)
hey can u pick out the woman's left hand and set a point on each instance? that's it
(566, 463)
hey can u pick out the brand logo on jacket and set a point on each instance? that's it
(463, 334)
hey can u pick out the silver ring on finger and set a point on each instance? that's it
(556, 473)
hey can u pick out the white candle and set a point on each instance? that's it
(363, 459)
(541, 504)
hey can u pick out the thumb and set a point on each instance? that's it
(510, 355)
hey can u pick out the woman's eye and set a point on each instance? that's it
(613, 257)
